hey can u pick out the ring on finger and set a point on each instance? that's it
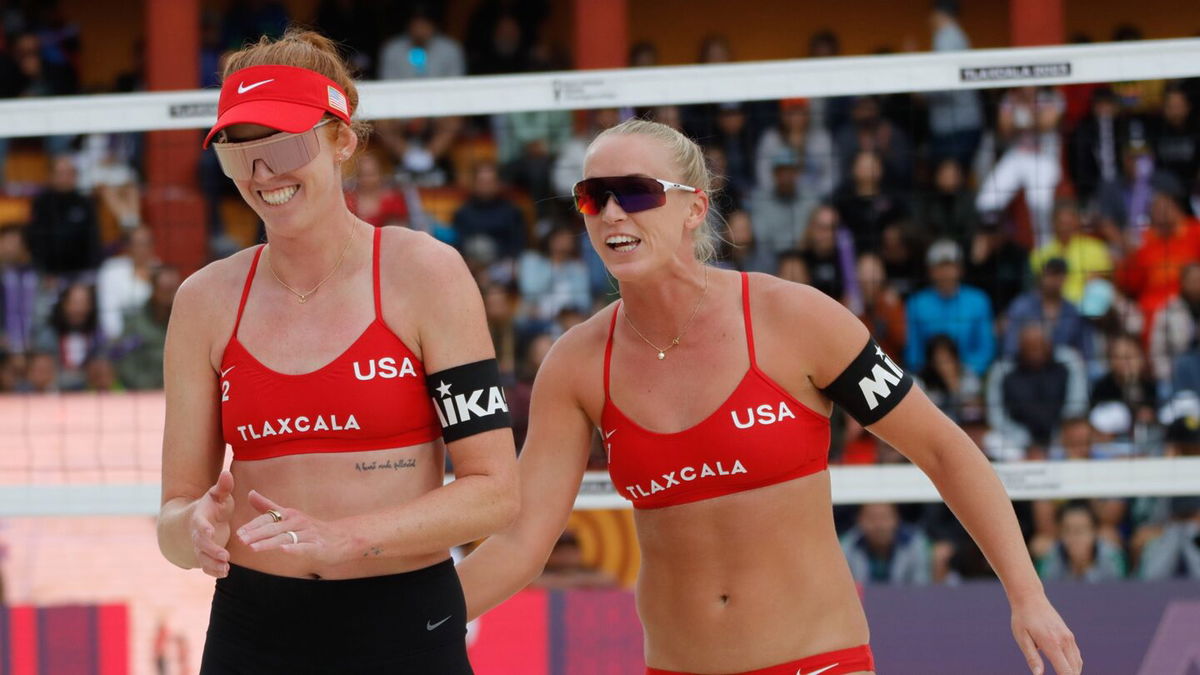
(275, 515)
(295, 538)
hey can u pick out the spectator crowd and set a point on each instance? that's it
(1031, 254)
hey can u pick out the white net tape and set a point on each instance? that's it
(762, 80)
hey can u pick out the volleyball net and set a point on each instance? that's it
(863, 176)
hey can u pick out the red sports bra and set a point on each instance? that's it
(372, 397)
(761, 435)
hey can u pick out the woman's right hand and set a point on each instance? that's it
(210, 526)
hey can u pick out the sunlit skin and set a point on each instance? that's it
(754, 578)
(714, 573)
(350, 523)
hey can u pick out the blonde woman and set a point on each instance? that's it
(712, 391)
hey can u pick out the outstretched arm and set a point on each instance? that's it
(972, 490)
(965, 480)
(551, 467)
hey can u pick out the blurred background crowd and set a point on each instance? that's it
(1031, 254)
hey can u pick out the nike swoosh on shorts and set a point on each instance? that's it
(430, 626)
(816, 672)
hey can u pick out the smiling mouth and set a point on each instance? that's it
(279, 196)
(622, 243)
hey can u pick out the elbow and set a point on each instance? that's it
(949, 449)
(504, 501)
(935, 465)
(508, 502)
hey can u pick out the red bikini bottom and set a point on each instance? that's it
(838, 662)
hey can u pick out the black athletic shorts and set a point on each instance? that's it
(262, 624)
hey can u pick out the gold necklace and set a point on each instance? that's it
(662, 351)
(303, 297)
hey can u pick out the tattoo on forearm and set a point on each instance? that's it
(373, 551)
(393, 464)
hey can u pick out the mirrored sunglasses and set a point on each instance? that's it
(281, 152)
(633, 193)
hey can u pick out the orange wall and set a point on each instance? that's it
(108, 35)
(779, 29)
(1156, 18)
(774, 29)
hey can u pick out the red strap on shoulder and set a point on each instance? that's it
(746, 318)
(612, 328)
(246, 288)
(375, 273)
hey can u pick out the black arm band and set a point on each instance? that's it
(870, 386)
(469, 399)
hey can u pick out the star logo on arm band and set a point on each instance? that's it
(444, 389)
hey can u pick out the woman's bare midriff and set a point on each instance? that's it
(330, 486)
(746, 581)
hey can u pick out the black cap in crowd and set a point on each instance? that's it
(1166, 184)
(946, 7)
(1054, 266)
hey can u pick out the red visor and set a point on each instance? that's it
(286, 98)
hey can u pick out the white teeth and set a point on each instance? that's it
(622, 242)
(280, 196)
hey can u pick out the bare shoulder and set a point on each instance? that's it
(801, 321)
(213, 291)
(585, 340)
(576, 361)
(786, 304)
(413, 257)
(205, 307)
(431, 300)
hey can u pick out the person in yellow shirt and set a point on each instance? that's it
(1087, 257)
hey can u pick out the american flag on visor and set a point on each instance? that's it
(336, 100)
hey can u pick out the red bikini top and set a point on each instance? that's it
(372, 397)
(761, 435)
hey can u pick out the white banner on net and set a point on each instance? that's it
(905, 483)
(898, 483)
(573, 90)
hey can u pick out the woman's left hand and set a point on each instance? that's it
(316, 540)
(1037, 626)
